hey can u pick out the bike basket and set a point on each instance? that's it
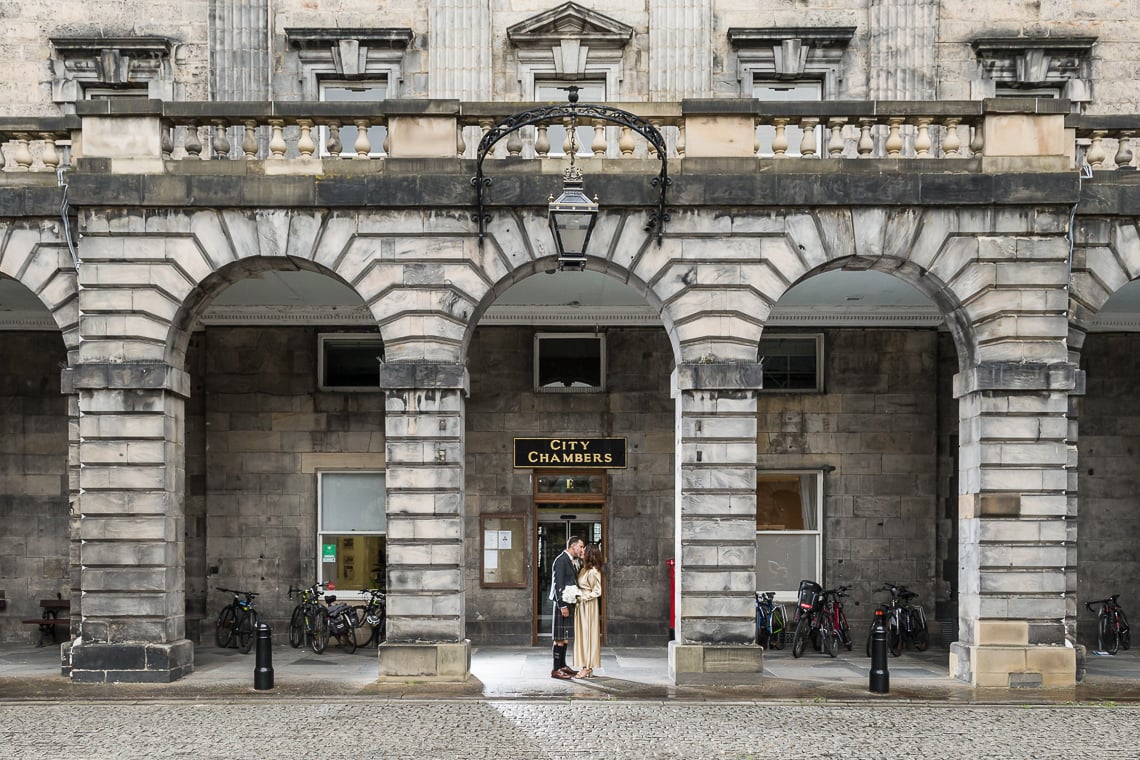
(809, 594)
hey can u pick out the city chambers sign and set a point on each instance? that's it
(575, 453)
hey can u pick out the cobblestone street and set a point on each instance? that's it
(523, 729)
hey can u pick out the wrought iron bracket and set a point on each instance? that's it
(574, 111)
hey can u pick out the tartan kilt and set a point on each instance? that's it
(563, 627)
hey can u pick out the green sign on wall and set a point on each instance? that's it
(328, 552)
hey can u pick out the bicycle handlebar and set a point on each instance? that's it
(247, 594)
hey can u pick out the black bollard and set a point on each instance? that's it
(263, 668)
(880, 677)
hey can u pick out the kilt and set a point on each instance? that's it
(563, 627)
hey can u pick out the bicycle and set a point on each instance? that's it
(310, 620)
(771, 621)
(839, 616)
(375, 615)
(905, 621)
(342, 623)
(238, 619)
(1112, 632)
(810, 622)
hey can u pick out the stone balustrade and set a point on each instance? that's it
(36, 145)
(1104, 142)
(141, 136)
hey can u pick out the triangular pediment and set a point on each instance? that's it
(570, 21)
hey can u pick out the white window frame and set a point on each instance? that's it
(790, 594)
(324, 339)
(321, 532)
(599, 337)
(817, 339)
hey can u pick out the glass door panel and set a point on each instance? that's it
(555, 524)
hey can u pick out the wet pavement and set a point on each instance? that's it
(497, 673)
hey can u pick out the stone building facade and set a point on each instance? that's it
(884, 334)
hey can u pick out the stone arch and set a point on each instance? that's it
(35, 256)
(1108, 260)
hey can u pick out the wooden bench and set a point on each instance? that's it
(50, 621)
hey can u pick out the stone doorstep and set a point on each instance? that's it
(100, 662)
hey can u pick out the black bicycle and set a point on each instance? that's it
(905, 621)
(310, 620)
(1112, 629)
(237, 621)
(374, 614)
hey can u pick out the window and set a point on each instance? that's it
(354, 92)
(349, 362)
(588, 92)
(98, 68)
(789, 541)
(781, 92)
(792, 363)
(1029, 67)
(569, 362)
(351, 528)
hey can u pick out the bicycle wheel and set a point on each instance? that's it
(347, 636)
(828, 636)
(778, 626)
(224, 631)
(845, 631)
(831, 643)
(799, 639)
(1108, 641)
(297, 628)
(894, 635)
(919, 632)
(1125, 631)
(320, 631)
(761, 628)
(246, 630)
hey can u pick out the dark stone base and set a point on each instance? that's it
(132, 662)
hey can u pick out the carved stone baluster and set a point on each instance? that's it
(363, 145)
(756, 124)
(542, 141)
(978, 140)
(21, 154)
(460, 143)
(1123, 158)
(950, 143)
(808, 148)
(651, 151)
(332, 142)
(566, 146)
(598, 146)
(780, 141)
(277, 144)
(485, 127)
(922, 139)
(249, 143)
(514, 143)
(1096, 154)
(835, 142)
(220, 145)
(866, 145)
(386, 146)
(167, 142)
(3, 162)
(50, 156)
(193, 143)
(681, 140)
(894, 139)
(305, 145)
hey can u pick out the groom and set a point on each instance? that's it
(564, 573)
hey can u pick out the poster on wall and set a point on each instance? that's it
(503, 556)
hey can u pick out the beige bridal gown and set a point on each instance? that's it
(587, 621)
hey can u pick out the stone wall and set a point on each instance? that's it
(640, 505)
(1108, 442)
(34, 537)
(267, 431)
(875, 432)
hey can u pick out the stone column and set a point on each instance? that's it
(679, 32)
(716, 524)
(459, 50)
(131, 523)
(1017, 531)
(424, 423)
(903, 41)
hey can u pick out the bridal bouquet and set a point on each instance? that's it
(570, 594)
